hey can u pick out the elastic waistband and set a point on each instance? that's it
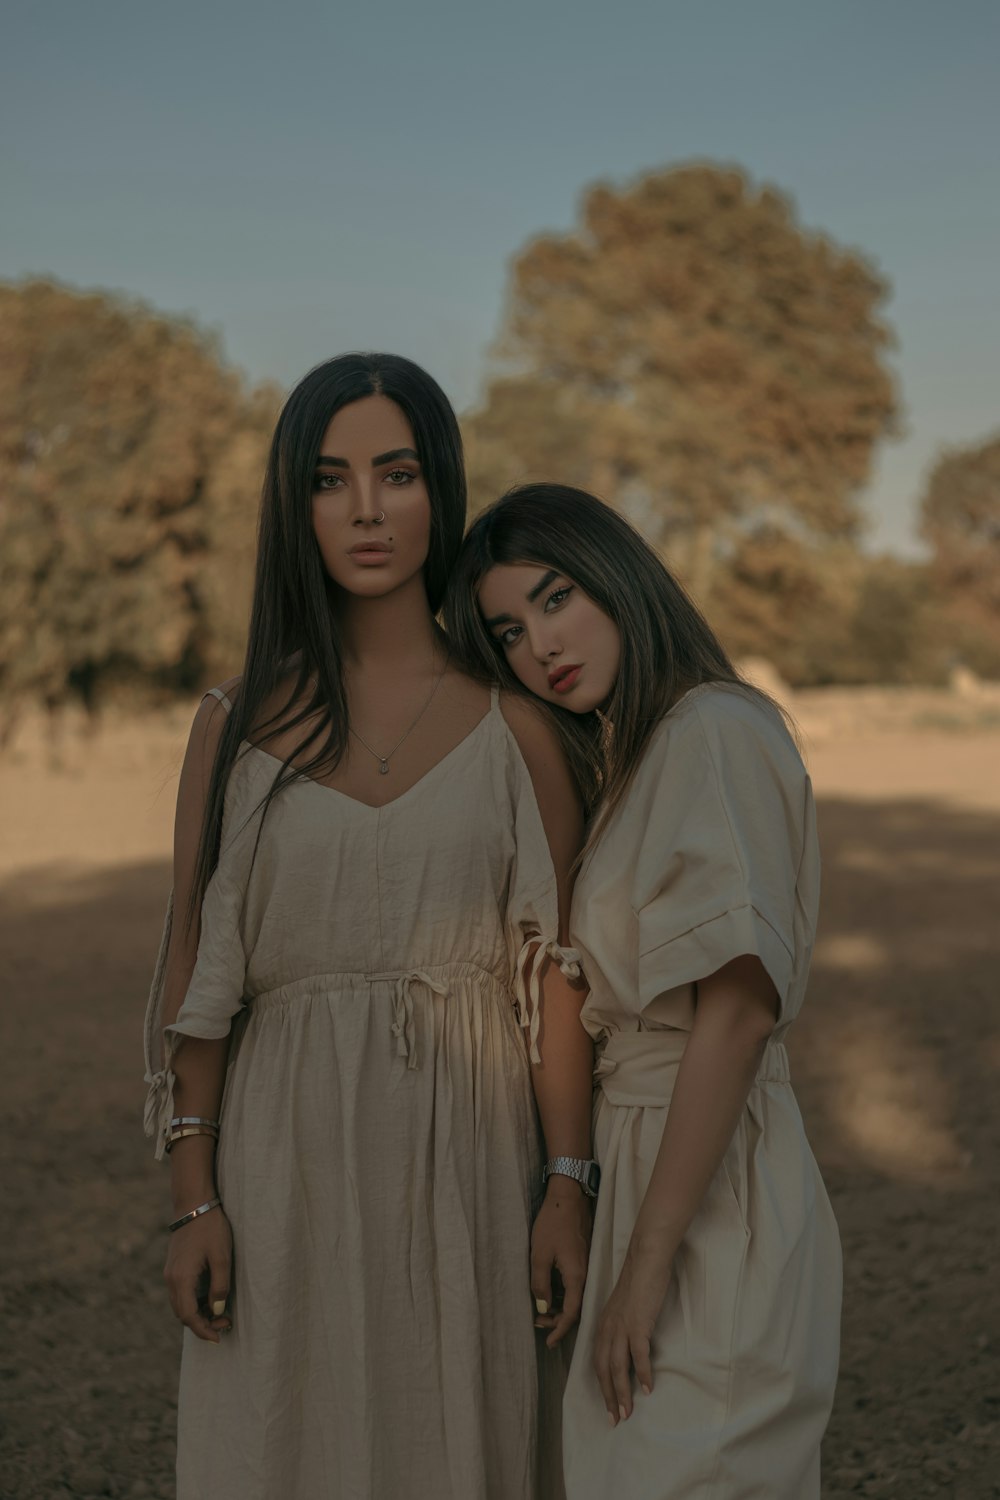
(326, 984)
(637, 1068)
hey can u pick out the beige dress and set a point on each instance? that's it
(379, 1156)
(711, 855)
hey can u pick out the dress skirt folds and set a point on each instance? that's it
(711, 855)
(379, 1156)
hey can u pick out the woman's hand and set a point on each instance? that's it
(625, 1328)
(560, 1240)
(197, 1274)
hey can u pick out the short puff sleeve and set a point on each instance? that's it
(729, 819)
(216, 990)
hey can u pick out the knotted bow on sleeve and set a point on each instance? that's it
(527, 983)
(159, 1107)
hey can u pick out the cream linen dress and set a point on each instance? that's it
(712, 854)
(379, 1157)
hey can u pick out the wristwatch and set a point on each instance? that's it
(586, 1173)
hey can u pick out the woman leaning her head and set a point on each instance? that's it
(693, 915)
(551, 580)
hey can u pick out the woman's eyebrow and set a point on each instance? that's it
(531, 596)
(387, 458)
(542, 583)
(328, 461)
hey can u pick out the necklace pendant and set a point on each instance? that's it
(383, 768)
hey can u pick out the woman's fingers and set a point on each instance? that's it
(197, 1274)
(616, 1355)
(602, 1369)
(642, 1362)
(184, 1300)
(573, 1283)
(220, 1267)
(541, 1281)
(621, 1373)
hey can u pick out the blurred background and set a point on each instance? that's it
(733, 267)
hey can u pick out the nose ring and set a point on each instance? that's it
(379, 518)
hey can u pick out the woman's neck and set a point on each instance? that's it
(398, 629)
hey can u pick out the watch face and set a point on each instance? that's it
(593, 1178)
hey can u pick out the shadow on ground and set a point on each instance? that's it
(895, 1061)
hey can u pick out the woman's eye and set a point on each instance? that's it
(509, 636)
(327, 481)
(558, 595)
(399, 477)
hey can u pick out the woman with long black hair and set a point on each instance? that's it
(367, 913)
(707, 1351)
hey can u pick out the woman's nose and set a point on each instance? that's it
(366, 506)
(544, 646)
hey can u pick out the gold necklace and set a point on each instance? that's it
(383, 760)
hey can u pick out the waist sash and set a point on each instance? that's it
(638, 1068)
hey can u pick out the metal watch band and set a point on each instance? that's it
(586, 1173)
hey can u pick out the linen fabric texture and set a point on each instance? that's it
(379, 1155)
(711, 855)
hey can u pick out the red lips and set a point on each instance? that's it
(563, 678)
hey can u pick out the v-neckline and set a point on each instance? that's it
(381, 806)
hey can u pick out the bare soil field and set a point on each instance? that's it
(895, 1059)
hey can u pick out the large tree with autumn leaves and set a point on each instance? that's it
(694, 355)
(130, 468)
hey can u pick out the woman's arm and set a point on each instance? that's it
(563, 1080)
(734, 1016)
(202, 1248)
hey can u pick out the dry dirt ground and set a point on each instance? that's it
(895, 1060)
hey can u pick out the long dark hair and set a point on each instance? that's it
(293, 640)
(667, 645)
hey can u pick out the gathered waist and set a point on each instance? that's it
(637, 1068)
(324, 984)
(432, 979)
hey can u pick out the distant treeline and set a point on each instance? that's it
(689, 353)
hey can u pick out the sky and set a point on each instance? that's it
(311, 177)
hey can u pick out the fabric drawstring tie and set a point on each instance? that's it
(402, 1007)
(527, 983)
(159, 1106)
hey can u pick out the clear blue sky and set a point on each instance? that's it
(311, 177)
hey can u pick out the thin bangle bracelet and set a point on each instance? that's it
(192, 1120)
(180, 1135)
(195, 1213)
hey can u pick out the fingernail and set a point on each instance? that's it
(219, 1307)
(623, 1413)
(612, 1419)
(646, 1391)
(541, 1305)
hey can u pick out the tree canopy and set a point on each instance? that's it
(696, 357)
(960, 519)
(124, 441)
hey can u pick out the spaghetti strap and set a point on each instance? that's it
(217, 692)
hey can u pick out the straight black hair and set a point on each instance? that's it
(293, 643)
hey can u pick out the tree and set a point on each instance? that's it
(116, 430)
(960, 518)
(696, 357)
